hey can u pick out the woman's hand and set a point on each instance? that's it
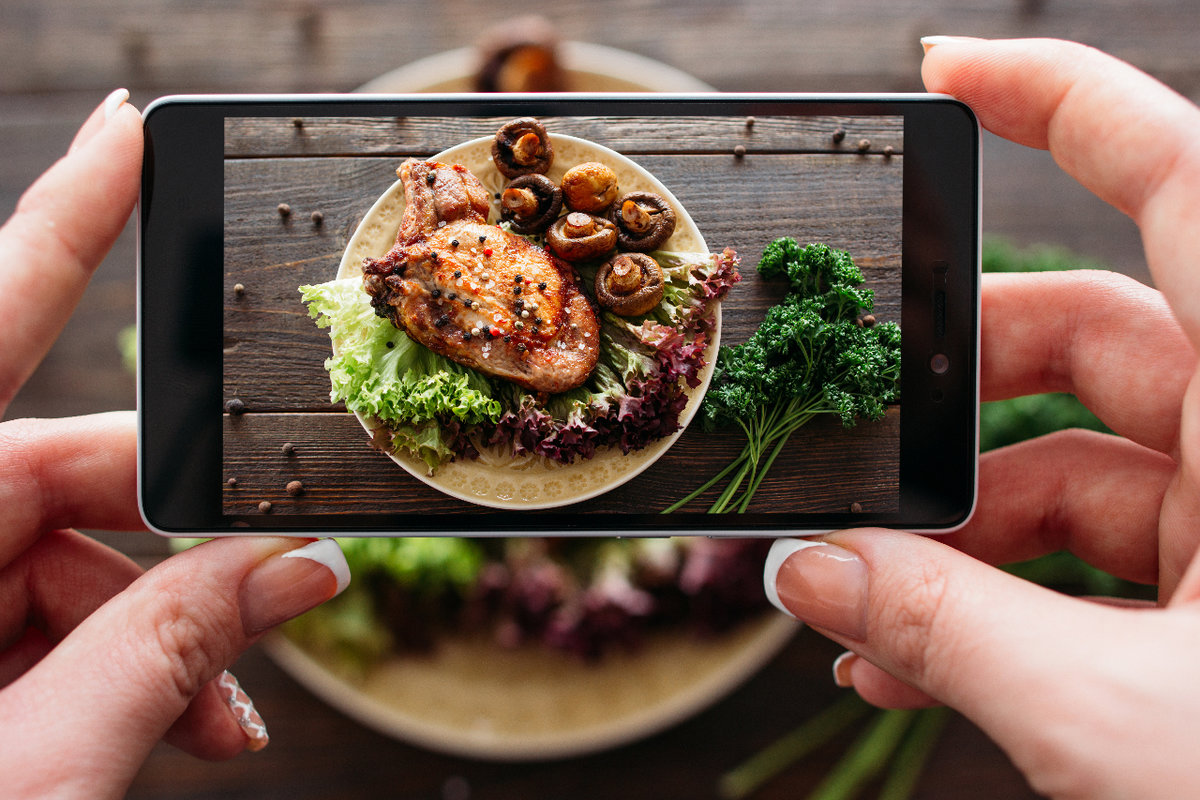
(98, 661)
(1089, 699)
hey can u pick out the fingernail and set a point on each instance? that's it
(929, 42)
(114, 101)
(286, 585)
(243, 710)
(819, 583)
(841, 669)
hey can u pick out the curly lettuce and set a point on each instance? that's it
(381, 373)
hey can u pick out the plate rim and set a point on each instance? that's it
(598, 60)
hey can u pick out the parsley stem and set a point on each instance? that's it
(811, 735)
(913, 753)
(707, 484)
(866, 757)
(722, 502)
(750, 490)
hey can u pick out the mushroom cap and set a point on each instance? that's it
(590, 186)
(522, 147)
(645, 224)
(548, 199)
(630, 284)
(600, 240)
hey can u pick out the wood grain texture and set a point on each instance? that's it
(825, 468)
(856, 45)
(631, 136)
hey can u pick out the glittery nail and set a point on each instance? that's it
(243, 711)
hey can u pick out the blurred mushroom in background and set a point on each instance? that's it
(520, 55)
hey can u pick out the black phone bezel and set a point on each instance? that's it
(180, 324)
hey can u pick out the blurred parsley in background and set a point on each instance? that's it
(892, 746)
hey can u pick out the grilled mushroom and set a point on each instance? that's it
(579, 236)
(522, 147)
(590, 186)
(644, 221)
(530, 203)
(630, 284)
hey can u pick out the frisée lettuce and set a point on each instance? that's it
(438, 410)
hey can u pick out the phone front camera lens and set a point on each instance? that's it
(939, 364)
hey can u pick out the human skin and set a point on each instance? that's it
(1089, 699)
(98, 660)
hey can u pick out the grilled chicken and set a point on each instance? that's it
(481, 296)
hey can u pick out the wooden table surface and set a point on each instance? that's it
(58, 58)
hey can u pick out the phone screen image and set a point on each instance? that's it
(417, 337)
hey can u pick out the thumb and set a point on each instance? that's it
(93, 708)
(1014, 657)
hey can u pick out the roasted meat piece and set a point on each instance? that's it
(477, 294)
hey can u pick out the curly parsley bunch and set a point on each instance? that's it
(818, 351)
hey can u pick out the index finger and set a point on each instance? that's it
(1116, 130)
(63, 226)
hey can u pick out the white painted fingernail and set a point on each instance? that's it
(929, 42)
(248, 719)
(286, 585)
(820, 583)
(114, 101)
(326, 552)
(841, 669)
(780, 550)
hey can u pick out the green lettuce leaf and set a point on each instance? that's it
(381, 373)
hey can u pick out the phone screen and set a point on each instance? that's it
(412, 340)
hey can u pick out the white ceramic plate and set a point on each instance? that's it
(496, 479)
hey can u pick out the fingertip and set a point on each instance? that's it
(938, 58)
(116, 99)
(208, 729)
(876, 686)
(115, 109)
(929, 42)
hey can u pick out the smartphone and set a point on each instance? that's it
(322, 280)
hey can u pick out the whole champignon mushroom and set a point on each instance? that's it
(522, 147)
(530, 203)
(579, 236)
(590, 186)
(644, 221)
(630, 284)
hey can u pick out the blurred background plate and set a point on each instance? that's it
(587, 67)
(473, 698)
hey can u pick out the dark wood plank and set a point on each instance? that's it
(823, 468)
(421, 135)
(274, 353)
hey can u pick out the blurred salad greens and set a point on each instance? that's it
(583, 597)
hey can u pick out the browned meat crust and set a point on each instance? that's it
(477, 294)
